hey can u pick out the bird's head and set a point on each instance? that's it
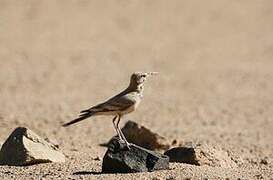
(140, 77)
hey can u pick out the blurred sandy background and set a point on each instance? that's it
(215, 60)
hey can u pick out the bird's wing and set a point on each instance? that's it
(117, 103)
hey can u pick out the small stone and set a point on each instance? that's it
(143, 137)
(259, 176)
(97, 158)
(24, 147)
(182, 155)
(120, 159)
(157, 178)
(264, 161)
(200, 155)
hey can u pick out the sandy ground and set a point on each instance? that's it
(215, 60)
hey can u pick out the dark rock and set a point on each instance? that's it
(200, 155)
(182, 155)
(144, 137)
(24, 147)
(120, 159)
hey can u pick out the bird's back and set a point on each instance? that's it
(123, 103)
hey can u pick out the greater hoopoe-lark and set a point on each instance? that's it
(125, 102)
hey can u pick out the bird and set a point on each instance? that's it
(123, 103)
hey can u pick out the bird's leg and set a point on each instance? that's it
(116, 127)
(122, 135)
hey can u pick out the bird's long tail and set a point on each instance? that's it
(86, 114)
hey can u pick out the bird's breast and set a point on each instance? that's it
(134, 106)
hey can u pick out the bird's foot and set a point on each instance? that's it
(125, 143)
(128, 145)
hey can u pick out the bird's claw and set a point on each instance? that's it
(127, 144)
